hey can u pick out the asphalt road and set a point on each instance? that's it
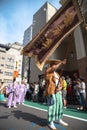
(27, 118)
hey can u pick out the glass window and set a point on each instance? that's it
(10, 59)
(2, 64)
(8, 73)
(1, 72)
(9, 66)
(3, 58)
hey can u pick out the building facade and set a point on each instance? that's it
(27, 35)
(26, 60)
(42, 16)
(10, 60)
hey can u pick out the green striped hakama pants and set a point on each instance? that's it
(55, 111)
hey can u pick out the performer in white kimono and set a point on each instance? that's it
(22, 92)
(12, 92)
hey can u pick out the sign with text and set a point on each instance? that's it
(66, 19)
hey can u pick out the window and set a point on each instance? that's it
(10, 59)
(1, 72)
(9, 66)
(8, 73)
(3, 58)
(2, 65)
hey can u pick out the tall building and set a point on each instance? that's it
(10, 60)
(77, 55)
(40, 18)
(27, 35)
(26, 60)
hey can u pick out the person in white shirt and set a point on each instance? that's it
(36, 90)
(82, 91)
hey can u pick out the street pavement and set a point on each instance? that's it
(28, 118)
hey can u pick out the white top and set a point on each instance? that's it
(57, 78)
(83, 87)
(36, 89)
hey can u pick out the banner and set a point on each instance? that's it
(66, 19)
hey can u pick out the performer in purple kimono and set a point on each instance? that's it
(17, 90)
(22, 92)
(11, 90)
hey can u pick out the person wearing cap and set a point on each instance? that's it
(54, 86)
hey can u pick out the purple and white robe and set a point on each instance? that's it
(12, 95)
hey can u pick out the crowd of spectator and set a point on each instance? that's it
(73, 92)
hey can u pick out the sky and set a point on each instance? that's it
(16, 16)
